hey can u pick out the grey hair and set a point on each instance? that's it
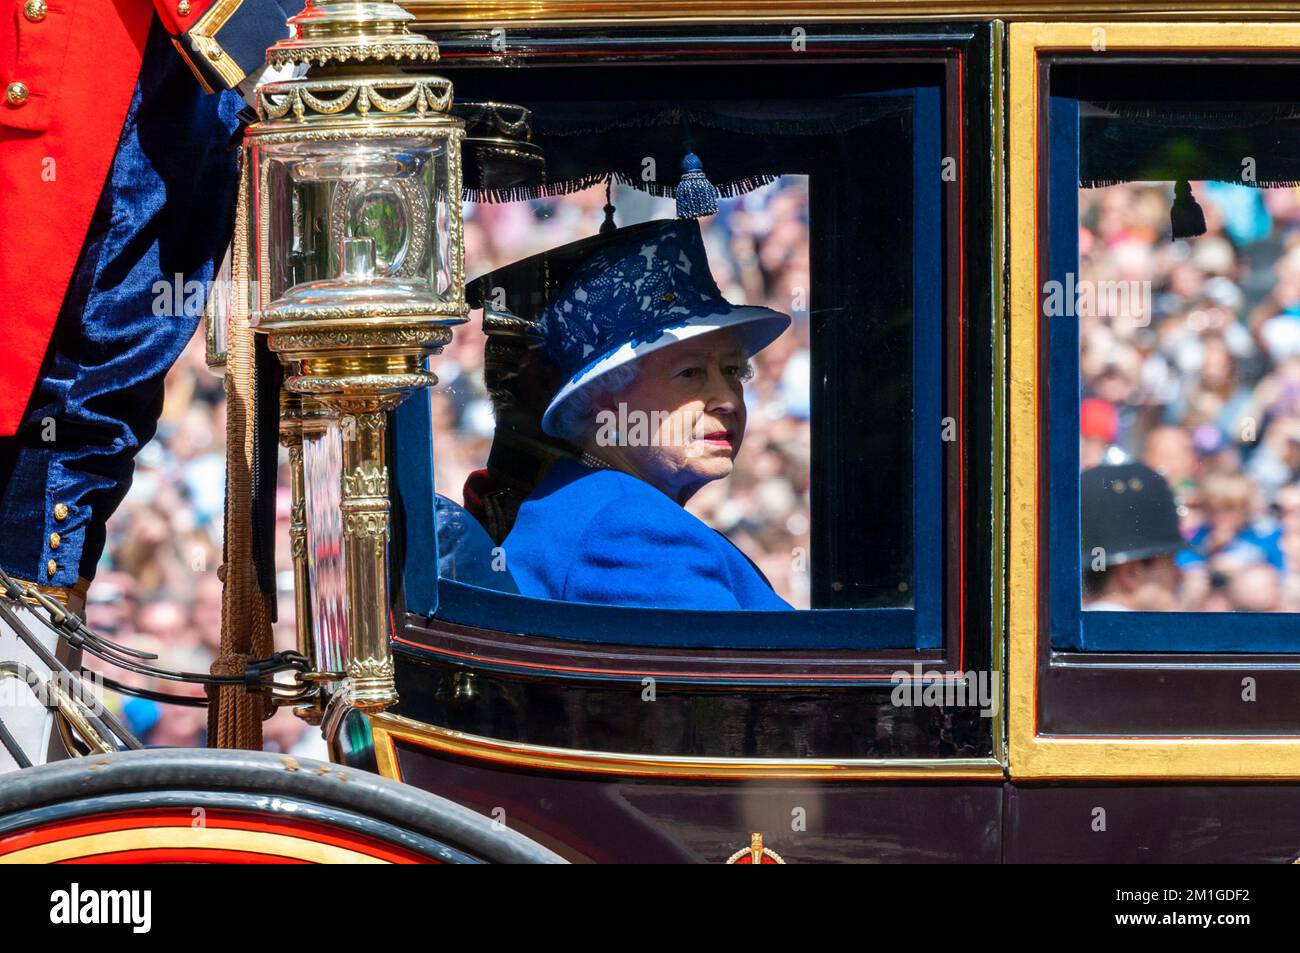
(575, 419)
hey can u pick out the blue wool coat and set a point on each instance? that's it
(605, 537)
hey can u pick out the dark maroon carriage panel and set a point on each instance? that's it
(586, 818)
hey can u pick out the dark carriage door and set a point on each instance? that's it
(859, 181)
(1154, 596)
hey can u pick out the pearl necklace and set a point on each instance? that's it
(593, 461)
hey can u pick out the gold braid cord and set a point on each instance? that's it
(235, 716)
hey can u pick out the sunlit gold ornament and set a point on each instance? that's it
(755, 853)
(358, 261)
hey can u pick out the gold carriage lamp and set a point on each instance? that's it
(357, 251)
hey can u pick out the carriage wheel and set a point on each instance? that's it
(215, 806)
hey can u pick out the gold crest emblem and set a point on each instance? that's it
(755, 853)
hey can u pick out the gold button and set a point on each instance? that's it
(16, 94)
(55, 539)
(34, 10)
(60, 511)
(52, 566)
(183, 8)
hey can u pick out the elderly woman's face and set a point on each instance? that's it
(689, 400)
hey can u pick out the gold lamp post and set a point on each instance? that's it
(356, 241)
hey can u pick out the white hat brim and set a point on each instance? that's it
(758, 327)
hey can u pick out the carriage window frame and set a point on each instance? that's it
(1073, 627)
(1095, 714)
(919, 628)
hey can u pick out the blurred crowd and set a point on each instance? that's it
(1200, 377)
(157, 588)
(758, 252)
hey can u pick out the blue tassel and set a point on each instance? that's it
(1186, 217)
(608, 225)
(696, 196)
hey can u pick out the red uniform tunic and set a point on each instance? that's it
(68, 69)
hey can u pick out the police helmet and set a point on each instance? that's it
(1128, 513)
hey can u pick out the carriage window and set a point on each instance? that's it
(1174, 301)
(756, 249)
(666, 424)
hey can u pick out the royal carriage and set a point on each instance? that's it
(944, 693)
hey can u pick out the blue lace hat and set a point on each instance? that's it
(639, 292)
